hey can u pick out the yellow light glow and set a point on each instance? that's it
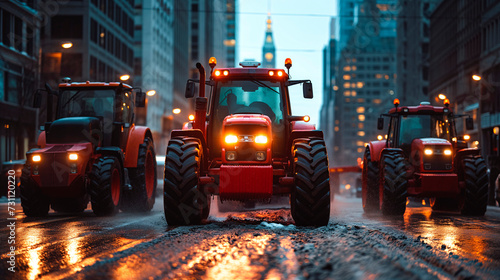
(496, 130)
(176, 111)
(380, 137)
(73, 156)
(191, 117)
(454, 139)
(447, 152)
(442, 96)
(260, 139)
(213, 61)
(151, 92)
(271, 73)
(124, 77)
(231, 139)
(225, 73)
(347, 187)
(361, 118)
(280, 73)
(67, 45)
(36, 158)
(361, 133)
(466, 137)
(428, 152)
(476, 77)
(217, 73)
(307, 118)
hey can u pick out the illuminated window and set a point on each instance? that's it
(360, 110)
(361, 100)
(360, 143)
(361, 118)
(337, 128)
(354, 68)
(347, 77)
(347, 100)
(347, 85)
(377, 101)
(378, 76)
(353, 60)
(386, 77)
(336, 148)
(360, 84)
(353, 85)
(347, 68)
(335, 88)
(360, 150)
(361, 125)
(347, 93)
(337, 121)
(353, 93)
(361, 133)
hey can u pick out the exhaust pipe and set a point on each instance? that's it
(201, 102)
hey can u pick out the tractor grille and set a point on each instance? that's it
(246, 152)
(438, 162)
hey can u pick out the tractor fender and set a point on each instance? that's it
(387, 150)
(194, 133)
(461, 154)
(136, 137)
(296, 125)
(41, 140)
(115, 152)
(296, 134)
(376, 148)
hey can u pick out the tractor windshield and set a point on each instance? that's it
(85, 102)
(424, 126)
(249, 96)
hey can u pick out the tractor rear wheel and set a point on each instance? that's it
(183, 202)
(310, 199)
(33, 201)
(143, 180)
(106, 186)
(370, 183)
(476, 186)
(395, 184)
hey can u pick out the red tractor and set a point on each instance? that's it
(423, 157)
(247, 146)
(91, 151)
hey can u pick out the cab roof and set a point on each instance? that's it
(254, 72)
(420, 109)
(93, 84)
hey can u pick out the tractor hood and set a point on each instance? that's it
(422, 142)
(74, 130)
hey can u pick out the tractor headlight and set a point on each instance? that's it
(73, 156)
(428, 152)
(231, 155)
(36, 158)
(261, 139)
(447, 152)
(231, 139)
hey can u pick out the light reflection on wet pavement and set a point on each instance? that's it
(241, 245)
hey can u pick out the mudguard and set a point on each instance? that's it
(194, 133)
(376, 148)
(296, 134)
(41, 140)
(297, 125)
(136, 137)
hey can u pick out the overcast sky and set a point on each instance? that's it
(301, 29)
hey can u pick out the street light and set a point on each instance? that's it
(125, 77)
(151, 92)
(191, 117)
(442, 96)
(67, 45)
(176, 111)
(476, 77)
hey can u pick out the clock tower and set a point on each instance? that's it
(268, 50)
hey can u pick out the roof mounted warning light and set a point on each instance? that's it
(250, 63)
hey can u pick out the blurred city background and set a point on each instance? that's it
(360, 55)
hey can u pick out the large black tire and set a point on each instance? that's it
(395, 184)
(310, 199)
(476, 186)
(106, 186)
(183, 202)
(370, 184)
(143, 180)
(33, 201)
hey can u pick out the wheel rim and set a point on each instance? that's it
(115, 186)
(150, 175)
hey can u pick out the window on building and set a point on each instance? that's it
(66, 27)
(12, 85)
(6, 27)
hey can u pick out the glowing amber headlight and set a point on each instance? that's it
(428, 152)
(73, 156)
(447, 152)
(230, 139)
(36, 158)
(466, 137)
(261, 139)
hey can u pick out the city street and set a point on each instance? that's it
(260, 244)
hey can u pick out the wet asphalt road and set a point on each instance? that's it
(261, 244)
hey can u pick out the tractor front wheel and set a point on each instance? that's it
(310, 199)
(106, 186)
(370, 183)
(33, 201)
(183, 202)
(476, 186)
(143, 180)
(395, 184)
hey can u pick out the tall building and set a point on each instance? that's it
(327, 111)
(101, 36)
(465, 41)
(268, 49)
(365, 79)
(154, 65)
(347, 20)
(232, 31)
(19, 77)
(413, 29)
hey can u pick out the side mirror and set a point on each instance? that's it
(140, 99)
(307, 89)
(190, 89)
(380, 123)
(469, 123)
(37, 102)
